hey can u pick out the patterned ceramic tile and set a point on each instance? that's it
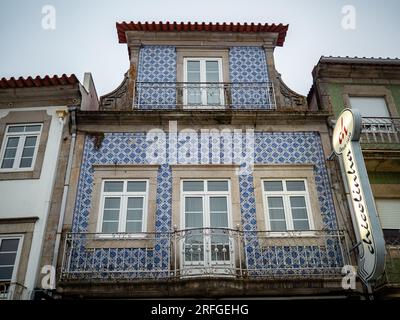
(248, 74)
(157, 68)
(269, 148)
(157, 78)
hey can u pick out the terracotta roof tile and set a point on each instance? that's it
(45, 81)
(192, 27)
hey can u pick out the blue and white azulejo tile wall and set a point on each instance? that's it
(270, 148)
(249, 76)
(157, 74)
(157, 78)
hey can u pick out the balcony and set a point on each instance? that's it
(392, 272)
(13, 291)
(204, 96)
(389, 285)
(203, 253)
(381, 133)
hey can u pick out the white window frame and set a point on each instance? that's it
(13, 279)
(124, 195)
(287, 208)
(205, 194)
(21, 142)
(203, 90)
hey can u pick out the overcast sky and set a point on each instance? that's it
(85, 37)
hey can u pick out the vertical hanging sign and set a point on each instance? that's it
(346, 144)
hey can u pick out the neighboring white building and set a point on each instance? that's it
(35, 134)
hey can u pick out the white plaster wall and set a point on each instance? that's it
(31, 198)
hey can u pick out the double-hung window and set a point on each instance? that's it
(203, 83)
(124, 206)
(20, 146)
(9, 250)
(287, 205)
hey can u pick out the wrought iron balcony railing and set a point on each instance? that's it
(392, 269)
(13, 291)
(211, 252)
(380, 130)
(204, 95)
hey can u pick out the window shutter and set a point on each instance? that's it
(389, 213)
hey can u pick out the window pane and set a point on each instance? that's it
(30, 141)
(273, 186)
(9, 245)
(193, 66)
(301, 225)
(32, 128)
(134, 215)
(370, 106)
(212, 71)
(299, 213)
(193, 204)
(297, 202)
(6, 273)
(194, 220)
(25, 163)
(193, 77)
(193, 212)
(111, 215)
(7, 163)
(278, 226)
(295, 186)
(218, 204)
(7, 258)
(217, 185)
(112, 203)
(218, 212)
(136, 186)
(193, 95)
(212, 66)
(16, 129)
(28, 152)
(213, 95)
(134, 226)
(276, 214)
(275, 202)
(193, 185)
(12, 142)
(113, 186)
(135, 203)
(212, 77)
(110, 227)
(10, 153)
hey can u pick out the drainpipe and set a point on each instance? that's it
(72, 111)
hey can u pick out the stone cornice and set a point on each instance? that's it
(210, 116)
(201, 39)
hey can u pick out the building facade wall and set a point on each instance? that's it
(157, 71)
(270, 148)
(30, 198)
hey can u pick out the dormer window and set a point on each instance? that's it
(203, 83)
